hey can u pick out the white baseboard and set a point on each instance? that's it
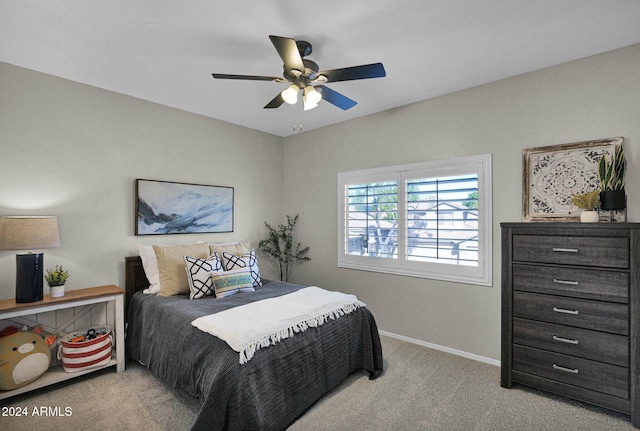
(442, 348)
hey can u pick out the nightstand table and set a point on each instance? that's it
(112, 295)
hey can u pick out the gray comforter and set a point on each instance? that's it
(270, 391)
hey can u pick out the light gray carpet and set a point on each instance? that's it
(421, 389)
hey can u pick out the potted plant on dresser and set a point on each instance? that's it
(611, 178)
(589, 203)
(56, 279)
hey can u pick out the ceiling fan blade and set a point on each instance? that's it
(275, 103)
(374, 70)
(335, 98)
(247, 77)
(288, 51)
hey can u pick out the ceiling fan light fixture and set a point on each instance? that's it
(290, 94)
(311, 97)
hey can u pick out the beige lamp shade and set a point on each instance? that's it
(28, 232)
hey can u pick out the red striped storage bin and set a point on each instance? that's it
(88, 353)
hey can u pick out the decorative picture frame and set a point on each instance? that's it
(552, 174)
(165, 207)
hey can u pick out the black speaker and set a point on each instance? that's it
(29, 277)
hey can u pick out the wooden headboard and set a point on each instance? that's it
(135, 278)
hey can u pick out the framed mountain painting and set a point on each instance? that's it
(164, 207)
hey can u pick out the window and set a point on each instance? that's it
(430, 220)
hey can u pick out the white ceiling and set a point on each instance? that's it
(164, 51)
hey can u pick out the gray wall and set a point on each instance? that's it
(597, 97)
(75, 151)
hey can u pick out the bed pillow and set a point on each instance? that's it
(227, 283)
(199, 275)
(248, 260)
(173, 277)
(236, 248)
(150, 265)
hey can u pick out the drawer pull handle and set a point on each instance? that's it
(566, 370)
(565, 311)
(565, 340)
(566, 250)
(573, 283)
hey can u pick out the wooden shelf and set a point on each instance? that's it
(10, 305)
(54, 374)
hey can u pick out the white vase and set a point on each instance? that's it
(57, 291)
(589, 217)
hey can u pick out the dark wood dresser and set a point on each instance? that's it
(571, 311)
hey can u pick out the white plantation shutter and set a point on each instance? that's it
(372, 219)
(442, 220)
(430, 220)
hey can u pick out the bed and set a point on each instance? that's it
(269, 392)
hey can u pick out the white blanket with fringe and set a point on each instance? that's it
(250, 327)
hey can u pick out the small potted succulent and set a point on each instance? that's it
(56, 279)
(589, 203)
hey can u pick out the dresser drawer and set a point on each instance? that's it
(584, 343)
(575, 282)
(609, 252)
(581, 313)
(605, 378)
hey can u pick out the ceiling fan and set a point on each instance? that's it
(301, 73)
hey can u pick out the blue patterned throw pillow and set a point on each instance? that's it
(227, 283)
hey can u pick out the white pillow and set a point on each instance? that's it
(199, 275)
(150, 265)
(249, 260)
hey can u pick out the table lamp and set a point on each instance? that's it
(29, 233)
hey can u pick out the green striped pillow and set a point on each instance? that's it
(229, 282)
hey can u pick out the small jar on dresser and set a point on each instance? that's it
(571, 311)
